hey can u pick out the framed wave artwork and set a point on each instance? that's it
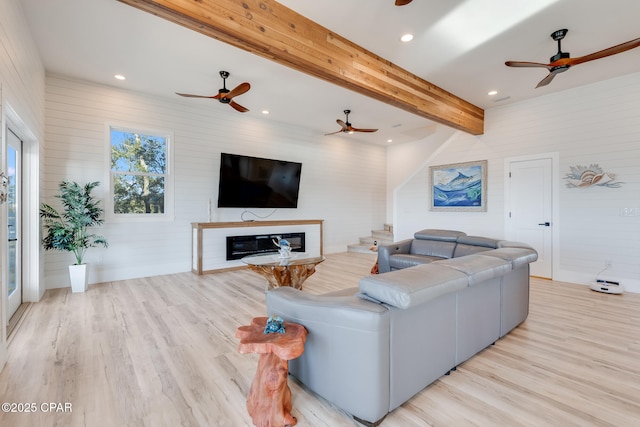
(459, 187)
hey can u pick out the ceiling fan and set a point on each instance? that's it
(561, 61)
(346, 126)
(225, 95)
(402, 2)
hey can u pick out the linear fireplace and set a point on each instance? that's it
(241, 246)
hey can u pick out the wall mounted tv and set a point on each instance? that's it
(253, 182)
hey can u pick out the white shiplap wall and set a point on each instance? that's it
(337, 184)
(21, 106)
(595, 124)
(21, 71)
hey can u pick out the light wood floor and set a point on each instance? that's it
(161, 351)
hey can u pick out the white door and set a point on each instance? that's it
(531, 211)
(14, 234)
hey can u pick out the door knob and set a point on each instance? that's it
(546, 224)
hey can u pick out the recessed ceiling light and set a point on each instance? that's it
(406, 38)
(119, 77)
(493, 92)
(389, 140)
(265, 112)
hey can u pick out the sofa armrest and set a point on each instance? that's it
(385, 252)
(346, 354)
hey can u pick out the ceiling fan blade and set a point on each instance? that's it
(527, 64)
(238, 107)
(402, 2)
(363, 130)
(188, 95)
(622, 47)
(238, 90)
(546, 80)
(343, 125)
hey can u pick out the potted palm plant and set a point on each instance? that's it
(68, 230)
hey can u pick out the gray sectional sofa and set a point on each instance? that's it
(371, 348)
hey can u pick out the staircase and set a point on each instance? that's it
(377, 237)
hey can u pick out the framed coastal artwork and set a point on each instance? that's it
(459, 187)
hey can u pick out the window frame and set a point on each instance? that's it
(169, 197)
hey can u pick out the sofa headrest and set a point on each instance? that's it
(479, 241)
(441, 235)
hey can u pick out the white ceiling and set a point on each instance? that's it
(459, 45)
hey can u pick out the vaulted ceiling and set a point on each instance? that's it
(459, 46)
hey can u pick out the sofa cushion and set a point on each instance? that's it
(468, 245)
(399, 261)
(477, 268)
(413, 286)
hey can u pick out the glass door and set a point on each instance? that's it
(14, 251)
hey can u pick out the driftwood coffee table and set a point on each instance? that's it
(269, 399)
(284, 272)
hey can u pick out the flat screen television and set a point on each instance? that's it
(253, 182)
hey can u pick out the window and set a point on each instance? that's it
(139, 173)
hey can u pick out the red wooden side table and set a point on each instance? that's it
(269, 399)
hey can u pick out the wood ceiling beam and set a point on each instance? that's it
(273, 31)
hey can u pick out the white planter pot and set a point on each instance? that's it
(78, 275)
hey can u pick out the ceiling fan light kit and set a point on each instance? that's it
(562, 61)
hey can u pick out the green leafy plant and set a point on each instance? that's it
(67, 231)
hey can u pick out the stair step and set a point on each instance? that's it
(363, 249)
(382, 234)
(373, 240)
(377, 237)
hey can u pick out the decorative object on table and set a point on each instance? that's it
(283, 262)
(459, 187)
(269, 398)
(583, 176)
(284, 247)
(68, 231)
(275, 325)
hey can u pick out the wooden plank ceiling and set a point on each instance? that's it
(273, 31)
